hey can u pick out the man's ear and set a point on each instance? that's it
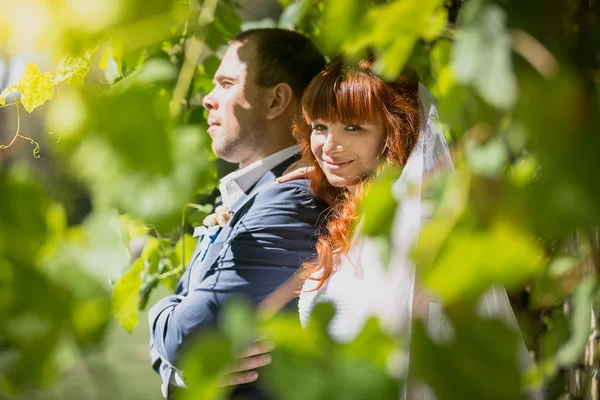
(280, 97)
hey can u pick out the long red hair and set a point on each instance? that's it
(351, 93)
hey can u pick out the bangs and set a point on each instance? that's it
(342, 94)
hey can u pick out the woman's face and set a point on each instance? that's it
(346, 152)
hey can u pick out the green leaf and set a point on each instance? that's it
(332, 33)
(572, 350)
(308, 364)
(35, 87)
(419, 19)
(238, 323)
(126, 298)
(185, 246)
(489, 159)
(475, 259)
(379, 206)
(111, 63)
(467, 366)
(132, 159)
(204, 363)
(157, 70)
(72, 69)
(482, 58)
(435, 24)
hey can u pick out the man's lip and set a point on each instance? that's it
(337, 165)
(210, 127)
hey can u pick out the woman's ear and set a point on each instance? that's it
(280, 98)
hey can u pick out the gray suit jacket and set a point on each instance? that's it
(271, 233)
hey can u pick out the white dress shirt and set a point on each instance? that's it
(236, 184)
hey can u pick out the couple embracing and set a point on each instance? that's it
(307, 137)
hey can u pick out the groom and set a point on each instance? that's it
(257, 94)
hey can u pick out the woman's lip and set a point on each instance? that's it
(337, 166)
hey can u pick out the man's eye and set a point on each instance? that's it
(353, 127)
(319, 127)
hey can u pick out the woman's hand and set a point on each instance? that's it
(301, 169)
(255, 356)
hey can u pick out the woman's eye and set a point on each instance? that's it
(225, 84)
(353, 127)
(319, 127)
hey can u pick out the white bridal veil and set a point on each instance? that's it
(430, 155)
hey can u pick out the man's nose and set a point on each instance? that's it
(209, 101)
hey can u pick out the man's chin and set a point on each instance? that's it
(224, 153)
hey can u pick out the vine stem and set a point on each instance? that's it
(192, 58)
(36, 150)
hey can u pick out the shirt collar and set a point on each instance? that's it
(234, 185)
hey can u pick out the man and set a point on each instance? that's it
(257, 94)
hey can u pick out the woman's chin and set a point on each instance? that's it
(339, 181)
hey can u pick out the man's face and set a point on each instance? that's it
(236, 106)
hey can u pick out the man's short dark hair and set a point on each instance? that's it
(284, 56)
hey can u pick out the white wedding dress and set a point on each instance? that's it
(360, 287)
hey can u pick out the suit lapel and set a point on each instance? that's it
(266, 180)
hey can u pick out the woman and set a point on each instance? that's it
(354, 124)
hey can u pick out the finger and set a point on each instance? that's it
(240, 379)
(256, 349)
(251, 363)
(300, 173)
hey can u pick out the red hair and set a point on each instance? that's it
(351, 93)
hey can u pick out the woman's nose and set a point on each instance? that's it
(331, 144)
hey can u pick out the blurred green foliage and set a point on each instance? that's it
(517, 89)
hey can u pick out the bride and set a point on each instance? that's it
(354, 125)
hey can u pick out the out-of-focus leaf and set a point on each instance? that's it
(472, 260)
(111, 62)
(435, 25)
(301, 15)
(157, 70)
(34, 330)
(204, 364)
(135, 228)
(571, 351)
(72, 69)
(148, 285)
(203, 80)
(35, 87)
(379, 206)
(563, 135)
(558, 281)
(489, 159)
(131, 158)
(126, 299)
(185, 246)
(472, 368)
(226, 24)
(482, 58)
(409, 21)
(346, 370)
(453, 204)
(523, 170)
(237, 322)
(332, 33)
